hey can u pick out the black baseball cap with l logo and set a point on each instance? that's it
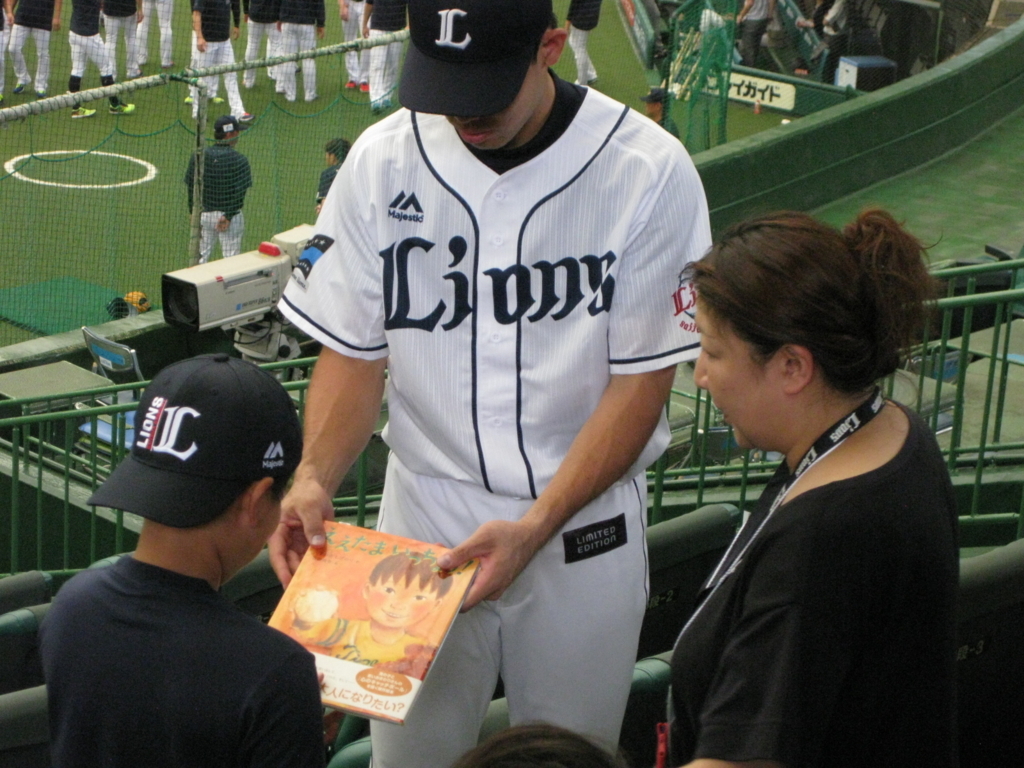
(468, 58)
(205, 429)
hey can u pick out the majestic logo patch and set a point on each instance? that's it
(160, 426)
(448, 17)
(684, 301)
(399, 208)
(274, 457)
(594, 539)
(316, 246)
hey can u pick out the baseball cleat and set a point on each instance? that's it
(217, 100)
(40, 94)
(19, 88)
(351, 85)
(122, 109)
(364, 87)
(245, 117)
(81, 112)
(188, 99)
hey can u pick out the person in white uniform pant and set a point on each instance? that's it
(510, 247)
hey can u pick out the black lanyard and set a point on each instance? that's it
(829, 440)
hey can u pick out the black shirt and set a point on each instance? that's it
(216, 18)
(35, 14)
(85, 17)
(568, 100)
(386, 15)
(327, 176)
(263, 11)
(226, 179)
(119, 8)
(303, 12)
(833, 643)
(147, 667)
(584, 14)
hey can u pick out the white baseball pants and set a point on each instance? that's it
(218, 53)
(163, 10)
(41, 37)
(563, 636)
(585, 71)
(383, 70)
(356, 62)
(295, 38)
(125, 26)
(86, 49)
(230, 238)
(257, 31)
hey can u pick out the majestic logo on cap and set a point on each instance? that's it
(160, 427)
(274, 457)
(448, 17)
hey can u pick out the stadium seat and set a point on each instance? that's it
(24, 589)
(255, 589)
(20, 665)
(682, 551)
(120, 364)
(24, 729)
(990, 658)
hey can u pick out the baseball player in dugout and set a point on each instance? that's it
(510, 247)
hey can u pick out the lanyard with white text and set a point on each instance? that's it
(824, 445)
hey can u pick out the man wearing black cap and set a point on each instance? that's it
(512, 247)
(226, 178)
(654, 103)
(145, 662)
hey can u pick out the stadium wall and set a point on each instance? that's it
(835, 152)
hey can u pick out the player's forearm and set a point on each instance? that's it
(342, 409)
(605, 448)
(197, 24)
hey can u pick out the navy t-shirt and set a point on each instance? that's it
(35, 14)
(145, 666)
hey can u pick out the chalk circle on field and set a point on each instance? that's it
(11, 167)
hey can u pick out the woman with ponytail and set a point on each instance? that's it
(826, 635)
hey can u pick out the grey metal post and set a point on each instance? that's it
(199, 164)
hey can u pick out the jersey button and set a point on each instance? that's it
(495, 337)
(499, 195)
(496, 421)
(497, 240)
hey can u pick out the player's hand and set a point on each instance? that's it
(139, 16)
(201, 45)
(503, 548)
(235, 32)
(303, 512)
(343, 10)
(319, 33)
(56, 23)
(223, 223)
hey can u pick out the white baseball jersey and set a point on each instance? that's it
(505, 302)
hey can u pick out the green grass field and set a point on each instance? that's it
(122, 238)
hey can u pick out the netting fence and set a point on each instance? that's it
(98, 208)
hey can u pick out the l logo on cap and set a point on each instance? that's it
(448, 17)
(170, 419)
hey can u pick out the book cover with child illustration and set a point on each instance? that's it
(374, 609)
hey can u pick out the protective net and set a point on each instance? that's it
(96, 206)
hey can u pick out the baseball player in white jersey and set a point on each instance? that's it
(516, 265)
(356, 62)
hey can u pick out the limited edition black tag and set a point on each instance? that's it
(594, 539)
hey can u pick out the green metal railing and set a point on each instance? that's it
(960, 384)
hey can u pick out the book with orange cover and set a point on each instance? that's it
(374, 609)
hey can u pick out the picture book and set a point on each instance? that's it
(374, 609)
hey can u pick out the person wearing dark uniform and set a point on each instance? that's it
(226, 178)
(35, 18)
(654, 103)
(381, 17)
(302, 24)
(261, 19)
(582, 17)
(87, 45)
(336, 151)
(211, 22)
